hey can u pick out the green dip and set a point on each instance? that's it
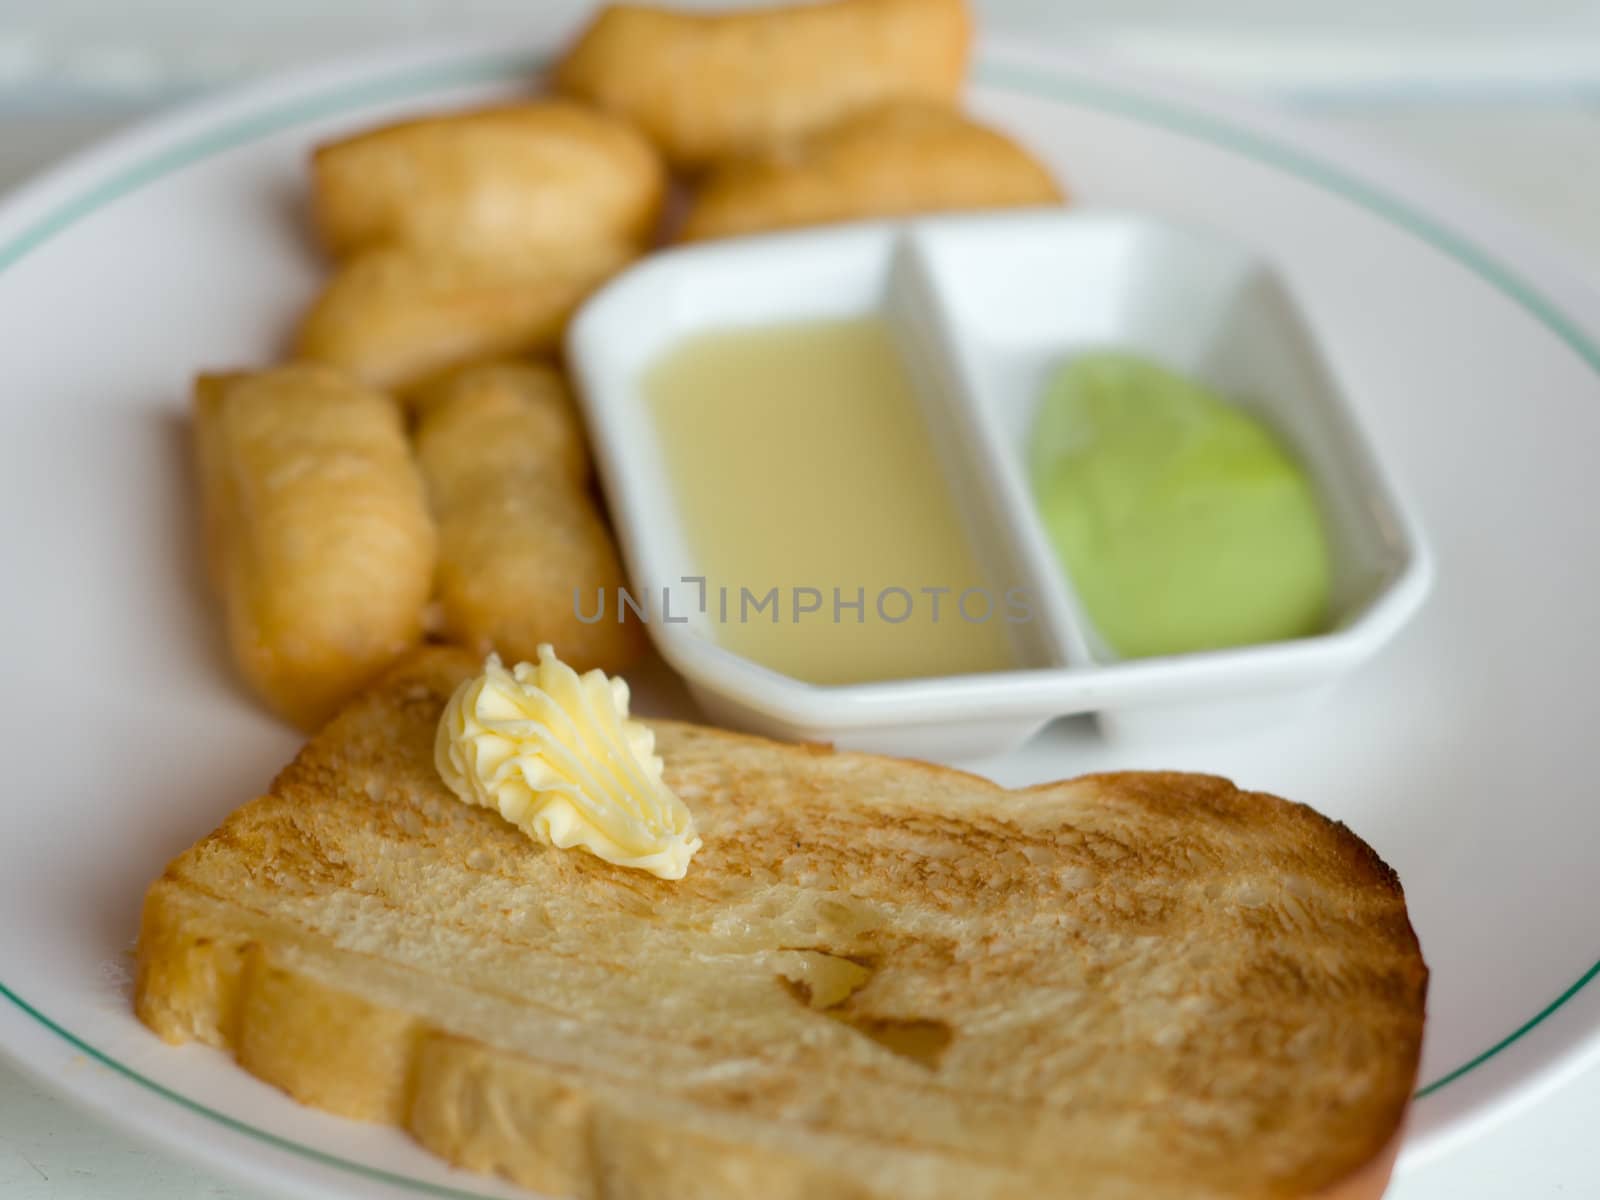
(1183, 523)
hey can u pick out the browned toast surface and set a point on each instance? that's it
(880, 978)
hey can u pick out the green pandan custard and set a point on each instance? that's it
(1183, 523)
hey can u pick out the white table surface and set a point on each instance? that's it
(1539, 161)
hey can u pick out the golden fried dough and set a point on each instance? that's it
(899, 158)
(704, 86)
(521, 543)
(317, 529)
(395, 319)
(520, 180)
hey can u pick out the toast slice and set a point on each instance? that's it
(880, 978)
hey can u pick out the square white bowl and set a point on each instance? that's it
(982, 308)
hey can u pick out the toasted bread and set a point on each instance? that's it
(880, 978)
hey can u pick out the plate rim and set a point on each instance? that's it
(34, 213)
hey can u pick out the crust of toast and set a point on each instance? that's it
(880, 978)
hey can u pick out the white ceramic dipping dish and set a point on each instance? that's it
(982, 308)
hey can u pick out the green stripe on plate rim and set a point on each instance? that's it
(271, 1139)
(506, 67)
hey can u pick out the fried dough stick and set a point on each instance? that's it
(472, 235)
(521, 541)
(396, 319)
(317, 532)
(704, 86)
(892, 160)
(543, 179)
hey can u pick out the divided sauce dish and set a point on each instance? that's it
(981, 309)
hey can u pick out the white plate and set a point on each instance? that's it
(1463, 752)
